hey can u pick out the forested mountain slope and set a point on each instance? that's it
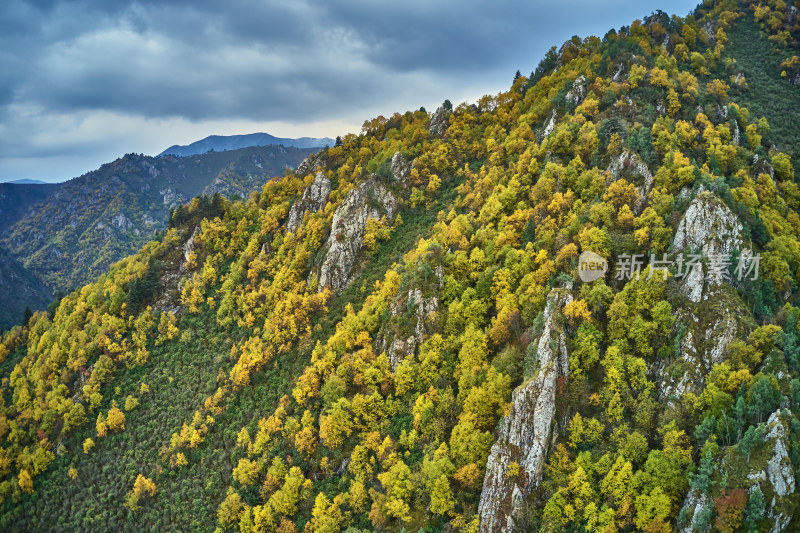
(397, 336)
(87, 223)
(23, 292)
(19, 288)
(17, 198)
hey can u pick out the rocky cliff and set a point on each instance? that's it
(710, 230)
(370, 199)
(524, 436)
(713, 315)
(314, 199)
(769, 471)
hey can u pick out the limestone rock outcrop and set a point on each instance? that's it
(715, 316)
(630, 166)
(172, 198)
(772, 472)
(440, 121)
(524, 436)
(578, 91)
(188, 246)
(369, 199)
(122, 222)
(692, 507)
(314, 199)
(779, 469)
(710, 229)
(399, 343)
(310, 164)
(400, 167)
(550, 126)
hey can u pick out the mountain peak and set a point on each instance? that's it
(220, 143)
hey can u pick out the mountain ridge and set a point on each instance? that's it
(233, 142)
(27, 181)
(65, 234)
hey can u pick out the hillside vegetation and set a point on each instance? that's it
(396, 337)
(17, 198)
(75, 232)
(24, 292)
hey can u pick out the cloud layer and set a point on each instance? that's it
(83, 82)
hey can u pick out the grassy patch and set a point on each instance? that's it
(768, 94)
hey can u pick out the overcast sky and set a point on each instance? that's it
(83, 82)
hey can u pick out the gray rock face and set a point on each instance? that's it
(630, 166)
(54, 252)
(762, 166)
(398, 348)
(400, 167)
(310, 164)
(617, 76)
(578, 91)
(525, 434)
(188, 247)
(550, 126)
(710, 229)
(694, 503)
(776, 474)
(314, 199)
(122, 222)
(440, 121)
(779, 467)
(711, 31)
(151, 170)
(709, 328)
(724, 330)
(171, 197)
(369, 199)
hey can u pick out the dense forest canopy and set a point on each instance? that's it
(395, 337)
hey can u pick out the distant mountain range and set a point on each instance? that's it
(55, 237)
(220, 143)
(26, 181)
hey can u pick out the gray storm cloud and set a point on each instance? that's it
(86, 81)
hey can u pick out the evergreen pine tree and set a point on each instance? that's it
(26, 316)
(752, 436)
(701, 481)
(754, 510)
(791, 344)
